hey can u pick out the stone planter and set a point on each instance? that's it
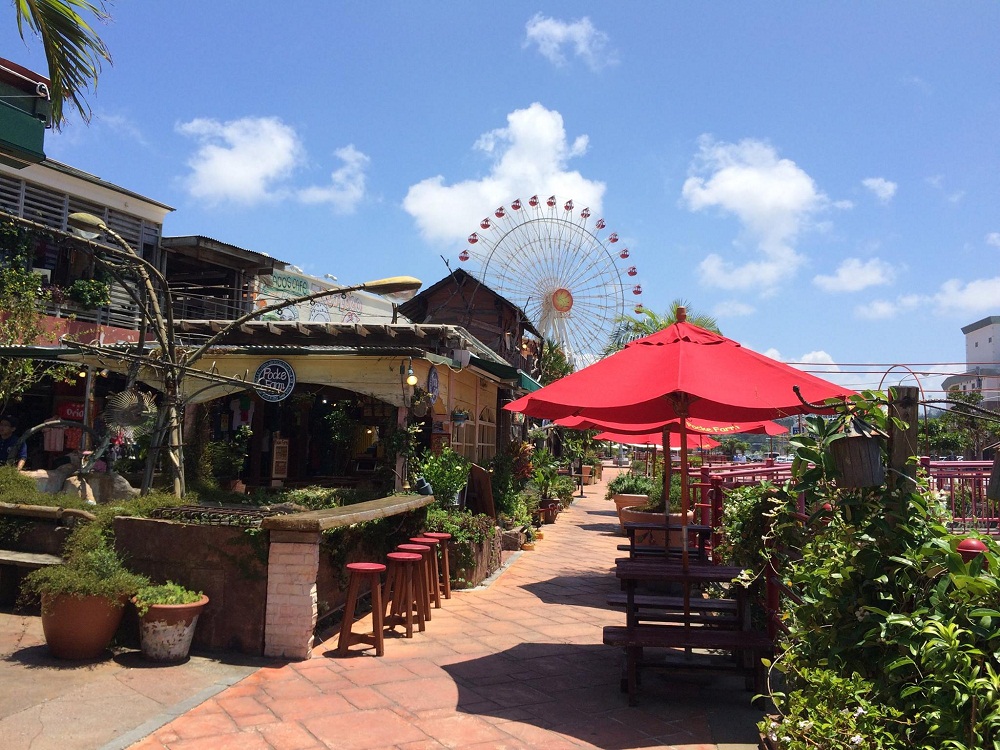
(79, 627)
(166, 630)
(627, 501)
(656, 538)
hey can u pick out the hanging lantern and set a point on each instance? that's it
(516, 205)
(568, 206)
(533, 201)
(499, 213)
(473, 238)
(463, 256)
(858, 456)
(585, 213)
(631, 271)
(637, 289)
(624, 253)
(485, 223)
(551, 202)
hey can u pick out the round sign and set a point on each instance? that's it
(433, 384)
(278, 374)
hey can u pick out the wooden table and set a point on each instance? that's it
(691, 631)
(634, 550)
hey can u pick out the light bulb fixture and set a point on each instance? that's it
(411, 379)
(82, 373)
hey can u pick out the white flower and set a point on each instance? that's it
(857, 739)
(859, 711)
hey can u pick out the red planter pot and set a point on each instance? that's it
(79, 627)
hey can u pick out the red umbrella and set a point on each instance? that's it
(700, 426)
(680, 372)
(656, 438)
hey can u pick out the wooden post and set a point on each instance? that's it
(903, 405)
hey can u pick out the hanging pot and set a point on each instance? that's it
(858, 459)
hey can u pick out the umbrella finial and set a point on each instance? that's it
(682, 314)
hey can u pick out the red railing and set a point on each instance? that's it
(961, 485)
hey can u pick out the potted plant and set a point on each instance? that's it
(629, 489)
(225, 458)
(90, 293)
(447, 472)
(168, 615)
(83, 598)
(459, 416)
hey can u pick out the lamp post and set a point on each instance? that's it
(173, 364)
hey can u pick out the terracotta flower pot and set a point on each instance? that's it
(79, 627)
(166, 630)
(627, 501)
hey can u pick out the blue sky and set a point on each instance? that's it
(821, 177)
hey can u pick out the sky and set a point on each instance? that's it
(820, 177)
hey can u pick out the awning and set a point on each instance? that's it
(517, 378)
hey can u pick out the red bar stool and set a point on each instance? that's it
(400, 595)
(443, 537)
(359, 572)
(422, 583)
(434, 589)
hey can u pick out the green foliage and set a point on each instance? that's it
(91, 567)
(447, 473)
(90, 293)
(341, 424)
(554, 363)
(510, 470)
(469, 531)
(631, 327)
(885, 595)
(830, 712)
(164, 593)
(225, 458)
(630, 483)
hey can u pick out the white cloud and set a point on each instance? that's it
(241, 161)
(733, 309)
(530, 156)
(347, 183)
(976, 296)
(882, 309)
(993, 238)
(553, 36)
(853, 275)
(121, 125)
(774, 199)
(881, 188)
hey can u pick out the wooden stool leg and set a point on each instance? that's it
(447, 570)
(435, 586)
(407, 598)
(378, 627)
(349, 607)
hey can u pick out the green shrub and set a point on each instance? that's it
(630, 483)
(164, 593)
(447, 472)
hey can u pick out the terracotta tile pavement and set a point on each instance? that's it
(516, 664)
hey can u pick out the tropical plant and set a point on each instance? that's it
(90, 293)
(553, 364)
(630, 483)
(73, 50)
(447, 472)
(469, 532)
(631, 327)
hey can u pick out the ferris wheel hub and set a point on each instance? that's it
(562, 300)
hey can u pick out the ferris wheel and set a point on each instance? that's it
(570, 277)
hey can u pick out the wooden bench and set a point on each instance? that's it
(660, 608)
(33, 538)
(749, 646)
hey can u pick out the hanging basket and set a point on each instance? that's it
(858, 459)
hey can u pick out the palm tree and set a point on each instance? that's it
(631, 327)
(73, 50)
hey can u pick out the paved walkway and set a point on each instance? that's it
(516, 664)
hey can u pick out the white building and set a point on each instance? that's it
(982, 357)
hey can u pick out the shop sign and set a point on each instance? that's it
(275, 373)
(71, 411)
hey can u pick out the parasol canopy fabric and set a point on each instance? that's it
(656, 438)
(699, 426)
(681, 371)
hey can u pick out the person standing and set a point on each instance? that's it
(8, 426)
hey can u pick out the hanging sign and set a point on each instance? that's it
(275, 373)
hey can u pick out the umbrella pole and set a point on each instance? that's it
(684, 521)
(666, 489)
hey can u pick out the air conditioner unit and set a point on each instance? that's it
(461, 357)
(45, 273)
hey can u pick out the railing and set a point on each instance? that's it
(961, 485)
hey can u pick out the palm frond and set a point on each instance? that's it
(73, 50)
